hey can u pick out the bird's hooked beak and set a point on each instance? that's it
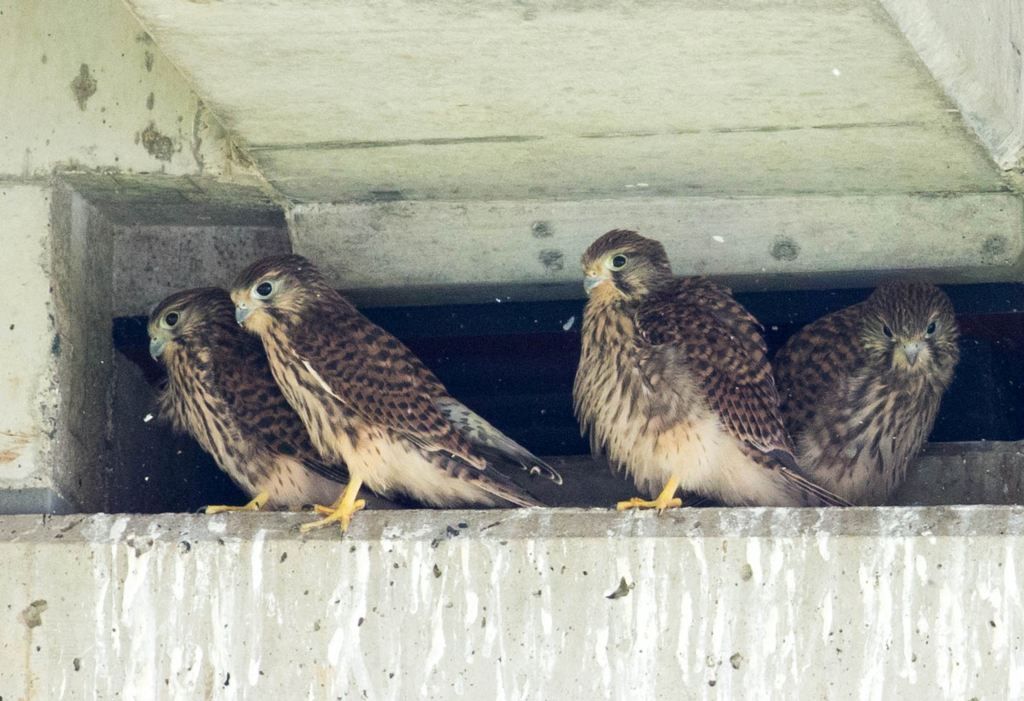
(911, 351)
(241, 314)
(592, 280)
(156, 347)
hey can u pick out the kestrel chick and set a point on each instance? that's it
(220, 390)
(860, 388)
(674, 384)
(367, 400)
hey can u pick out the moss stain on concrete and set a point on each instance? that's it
(158, 145)
(83, 86)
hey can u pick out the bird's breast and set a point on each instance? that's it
(332, 428)
(609, 392)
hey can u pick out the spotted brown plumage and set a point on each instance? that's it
(367, 400)
(861, 387)
(220, 391)
(674, 384)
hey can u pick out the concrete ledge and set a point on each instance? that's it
(566, 603)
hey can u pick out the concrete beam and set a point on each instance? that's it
(574, 604)
(444, 252)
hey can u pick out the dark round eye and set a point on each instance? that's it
(171, 319)
(931, 329)
(887, 331)
(618, 262)
(264, 289)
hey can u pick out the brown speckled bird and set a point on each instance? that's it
(860, 388)
(367, 400)
(674, 384)
(220, 390)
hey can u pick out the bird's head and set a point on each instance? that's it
(909, 326)
(186, 317)
(275, 289)
(626, 265)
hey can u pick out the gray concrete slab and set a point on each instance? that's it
(425, 252)
(894, 603)
(464, 100)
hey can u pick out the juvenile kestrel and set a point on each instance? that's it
(860, 387)
(220, 390)
(675, 386)
(367, 400)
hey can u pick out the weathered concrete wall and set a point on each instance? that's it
(892, 603)
(77, 263)
(85, 86)
(28, 343)
(974, 49)
(82, 254)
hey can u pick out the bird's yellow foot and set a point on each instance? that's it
(659, 504)
(342, 510)
(342, 513)
(256, 504)
(664, 501)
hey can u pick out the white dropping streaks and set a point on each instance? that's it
(826, 617)
(683, 641)
(601, 656)
(821, 538)
(255, 638)
(256, 562)
(907, 606)
(754, 560)
(1013, 618)
(953, 654)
